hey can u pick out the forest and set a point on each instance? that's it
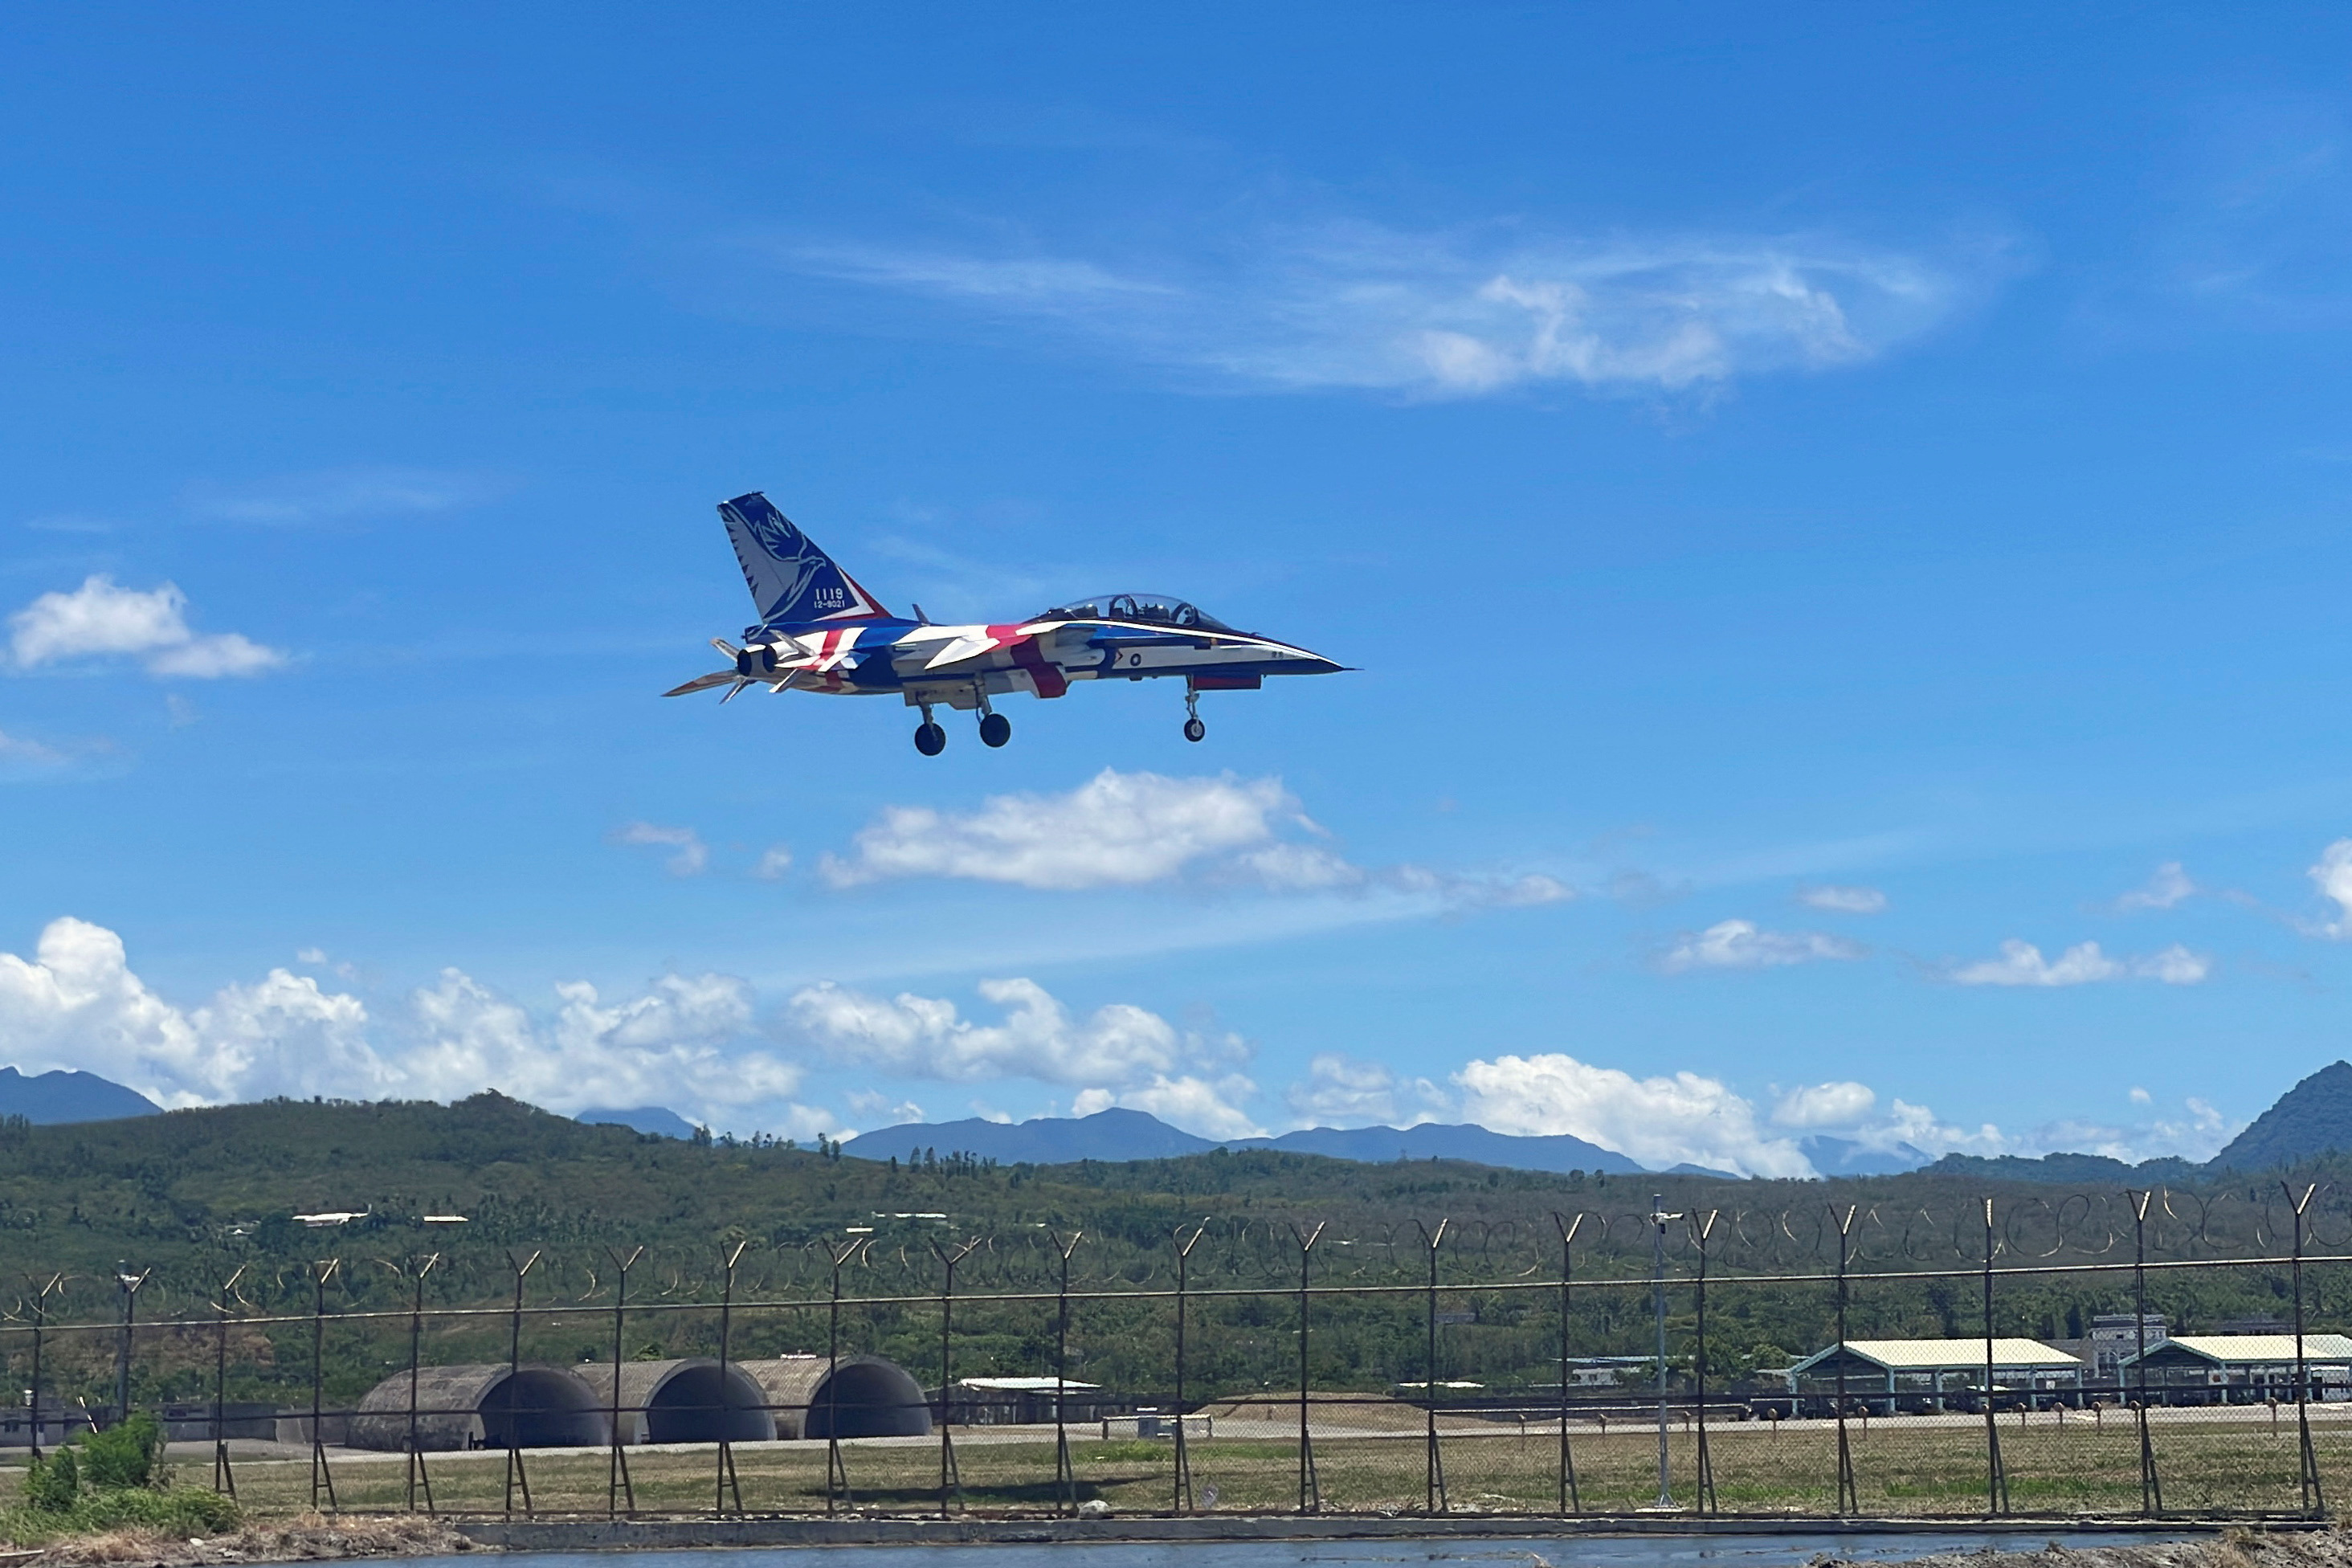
(199, 1209)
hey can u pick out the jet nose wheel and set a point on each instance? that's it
(996, 728)
(929, 739)
(1194, 730)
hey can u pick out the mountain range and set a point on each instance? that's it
(2314, 1118)
(1121, 1134)
(52, 1097)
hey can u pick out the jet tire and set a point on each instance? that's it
(1194, 730)
(930, 739)
(996, 728)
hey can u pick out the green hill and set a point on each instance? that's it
(2310, 1119)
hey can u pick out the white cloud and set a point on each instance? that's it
(1116, 1047)
(1739, 944)
(1121, 830)
(1843, 901)
(1838, 1104)
(2021, 963)
(338, 495)
(2197, 1132)
(774, 861)
(1340, 1090)
(1460, 314)
(2333, 876)
(1115, 830)
(1657, 1122)
(877, 1106)
(77, 1003)
(98, 619)
(2166, 887)
(692, 856)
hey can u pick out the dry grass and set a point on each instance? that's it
(300, 1538)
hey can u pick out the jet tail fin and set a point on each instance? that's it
(789, 578)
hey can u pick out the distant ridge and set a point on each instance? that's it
(2312, 1118)
(1431, 1141)
(659, 1120)
(1113, 1135)
(50, 1099)
(1122, 1134)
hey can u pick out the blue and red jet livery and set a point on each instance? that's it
(820, 631)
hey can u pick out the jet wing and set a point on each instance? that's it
(703, 683)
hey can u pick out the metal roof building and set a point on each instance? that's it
(2223, 1367)
(1885, 1370)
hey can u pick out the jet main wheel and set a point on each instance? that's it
(996, 728)
(1194, 730)
(929, 739)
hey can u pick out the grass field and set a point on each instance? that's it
(1902, 1467)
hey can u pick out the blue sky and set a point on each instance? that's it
(1834, 517)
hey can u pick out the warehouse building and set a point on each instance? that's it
(2240, 1368)
(1888, 1375)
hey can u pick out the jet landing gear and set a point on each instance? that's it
(1194, 729)
(929, 739)
(996, 728)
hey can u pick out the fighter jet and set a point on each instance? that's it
(820, 631)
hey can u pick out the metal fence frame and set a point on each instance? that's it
(32, 1328)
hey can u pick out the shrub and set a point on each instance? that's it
(53, 1482)
(126, 1456)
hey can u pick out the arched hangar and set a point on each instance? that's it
(856, 1397)
(483, 1406)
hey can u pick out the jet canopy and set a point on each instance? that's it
(1150, 609)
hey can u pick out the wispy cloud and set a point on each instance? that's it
(2167, 886)
(1460, 313)
(1741, 944)
(2021, 963)
(338, 495)
(1843, 901)
(690, 856)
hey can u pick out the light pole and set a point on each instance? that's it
(1659, 1219)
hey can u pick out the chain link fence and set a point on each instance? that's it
(2142, 1354)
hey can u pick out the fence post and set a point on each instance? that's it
(1310, 1485)
(1705, 1499)
(516, 1475)
(836, 1470)
(224, 1475)
(416, 1471)
(1570, 1498)
(1433, 1479)
(40, 1322)
(129, 1284)
(323, 1477)
(2313, 1504)
(1996, 1473)
(1066, 1475)
(1849, 1500)
(616, 1470)
(2151, 1482)
(725, 1480)
(1182, 1501)
(950, 1478)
